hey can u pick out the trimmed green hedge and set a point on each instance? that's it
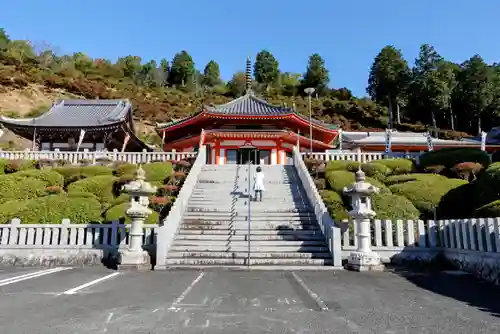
(117, 212)
(73, 173)
(488, 185)
(457, 203)
(17, 188)
(335, 205)
(424, 195)
(50, 177)
(449, 157)
(398, 166)
(125, 169)
(339, 179)
(391, 206)
(158, 171)
(101, 186)
(395, 179)
(490, 210)
(371, 169)
(79, 210)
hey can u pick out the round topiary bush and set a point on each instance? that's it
(158, 171)
(488, 185)
(398, 166)
(117, 212)
(391, 206)
(52, 210)
(20, 188)
(457, 203)
(395, 179)
(50, 177)
(101, 186)
(425, 195)
(449, 157)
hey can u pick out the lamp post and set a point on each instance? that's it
(309, 91)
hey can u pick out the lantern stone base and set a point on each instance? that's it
(128, 260)
(363, 261)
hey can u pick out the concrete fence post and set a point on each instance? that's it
(14, 231)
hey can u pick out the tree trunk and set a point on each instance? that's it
(398, 113)
(434, 123)
(390, 113)
(479, 125)
(452, 120)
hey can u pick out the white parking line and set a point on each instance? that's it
(28, 276)
(185, 292)
(86, 285)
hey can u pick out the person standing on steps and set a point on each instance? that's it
(258, 184)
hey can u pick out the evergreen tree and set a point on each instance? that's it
(211, 74)
(182, 70)
(265, 68)
(316, 75)
(388, 78)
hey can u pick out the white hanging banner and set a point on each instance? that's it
(80, 139)
(125, 142)
(340, 139)
(388, 141)
(483, 140)
(430, 146)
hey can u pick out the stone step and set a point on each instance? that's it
(240, 208)
(253, 248)
(267, 226)
(231, 237)
(255, 243)
(240, 222)
(243, 261)
(243, 255)
(253, 232)
(257, 215)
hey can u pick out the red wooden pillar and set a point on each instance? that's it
(278, 152)
(217, 152)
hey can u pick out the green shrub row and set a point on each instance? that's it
(81, 193)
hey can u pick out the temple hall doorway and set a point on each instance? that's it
(248, 155)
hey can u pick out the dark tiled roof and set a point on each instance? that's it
(249, 105)
(77, 113)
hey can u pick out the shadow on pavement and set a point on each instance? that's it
(452, 284)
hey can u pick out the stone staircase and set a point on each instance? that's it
(283, 229)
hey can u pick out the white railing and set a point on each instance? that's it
(66, 235)
(357, 156)
(93, 157)
(330, 231)
(472, 244)
(169, 227)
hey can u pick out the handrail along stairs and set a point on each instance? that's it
(331, 231)
(169, 227)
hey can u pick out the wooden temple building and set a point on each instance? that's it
(247, 130)
(95, 125)
(406, 142)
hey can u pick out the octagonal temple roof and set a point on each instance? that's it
(248, 105)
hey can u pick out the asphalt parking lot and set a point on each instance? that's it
(97, 300)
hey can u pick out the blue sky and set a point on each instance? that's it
(348, 34)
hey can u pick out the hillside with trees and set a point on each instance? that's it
(431, 92)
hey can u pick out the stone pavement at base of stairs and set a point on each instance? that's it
(97, 300)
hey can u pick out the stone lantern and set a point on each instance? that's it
(134, 256)
(363, 259)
